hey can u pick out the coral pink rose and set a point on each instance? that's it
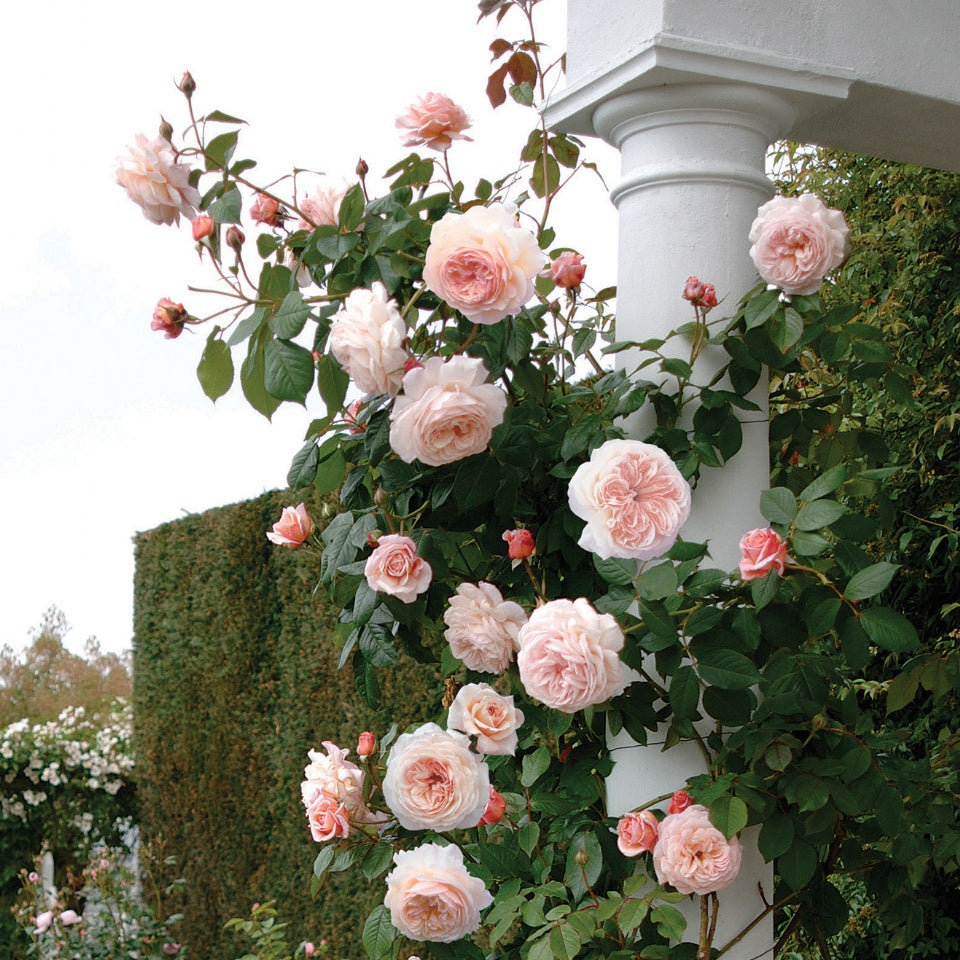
(568, 269)
(692, 855)
(482, 262)
(202, 226)
(482, 627)
(328, 818)
(394, 568)
(265, 210)
(447, 411)
(338, 779)
(366, 337)
(434, 781)
(322, 207)
(495, 809)
(761, 551)
(693, 289)
(679, 802)
(293, 527)
(633, 498)
(481, 712)
(568, 655)
(637, 833)
(431, 896)
(169, 317)
(366, 745)
(155, 180)
(308, 949)
(434, 121)
(520, 544)
(797, 241)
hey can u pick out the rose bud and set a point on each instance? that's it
(568, 269)
(165, 130)
(293, 528)
(679, 802)
(351, 416)
(412, 364)
(520, 544)
(708, 298)
(169, 317)
(235, 238)
(33, 876)
(202, 226)
(362, 168)
(366, 745)
(495, 809)
(187, 84)
(693, 290)
(265, 210)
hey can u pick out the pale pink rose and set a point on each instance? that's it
(761, 551)
(322, 207)
(797, 241)
(202, 226)
(482, 627)
(679, 802)
(155, 180)
(33, 876)
(568, 655)
(336, 777)
(69, 917)
(43, 921)
(520, 544)
(481, 712)
(692, 855)
(637, 833)
(265, 210)
(434, 121)
(633, 498)
(299, 269)
(169, 317)
(482, 262)
(293, 527)
(327, 817)
(431, 896)
(568, 269)
(434, 781)
(308, 949)
(366, 337)
(394, 568)
(495, 809)
(447, 411)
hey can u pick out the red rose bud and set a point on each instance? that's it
(568, 269)
(366, 745)
(709, 296)
(373, 541)
(520, 544)
(235, 238)
(265, 210)
(169, 317)
(202, 226)
(412, 364)
(362, 168)
(187, 84)
(679, 802)
(495, 809)
(693, 290)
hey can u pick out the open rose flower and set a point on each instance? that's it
(797, 241)
(633, 498)
(637, 833)
(169, 317)
(155, 180)
(761, 551)
(202, 226)
(322, 207)
(394, 568)
(327, 817)
(339, 780)
(293, 527)
(434, 781)
(692, 855)
(447, 411)
(482, 262)
(43, 921)
(434, 121)
(482, 627)
(568, 655)
(487, 715)
(431, 896)
(366, 337)
(265, 210)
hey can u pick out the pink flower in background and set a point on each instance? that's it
(431, 896)
(394, 568)
(797, 241)
(482, 262)
(761, 551)
(155, 180)
(692, 855)
(308, 949)
(633, 499)
(520, 544)
(568, 269)
(293, 527)
(43, 921)
(169, 317)
(481, 712)
(265, 210)
(637, 833)
(495, 809)
(69, 917)
(482, 627)
(33, 876)
(336, 777)
(366, 745)
(171, 949)
(202, 226)
(679, 802)
(434, 121)
(328, 818)
(322, 207)
(693, 290)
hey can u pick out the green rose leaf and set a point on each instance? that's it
(776, 836)
(870, 581)
(728, 814)
(889, 629)
(797, 864)
(288, 370)
(819, 514)
(825, 483)
(378, 933)
(290, 316)
(304, 466)
(215, 370)
(727, 669)
(684, 694)
(778, 505)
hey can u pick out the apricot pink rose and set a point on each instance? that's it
(637, 833)
(434, 121)
(481, 712)
(327, 817)
(395, 569)
(692, 855)
(337, 778)
(322, 207)
(157, 182)
(568, 270)
(482, 627)
(293, 527)
(761, 551)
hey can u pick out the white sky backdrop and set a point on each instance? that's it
(105, 430)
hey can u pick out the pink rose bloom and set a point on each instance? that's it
(33, 876)
(679, 802)
(482, 627)
(169, 317)
(322, 207)
(308, 948)
(327, 817)
(495, 809)
(293, 527)
(394, 568)
(337, 778)
(69, 917)
(481, 712)
(202, 226)
(155, 180)
(366, 337)
(482, 262)
(447, 411)
(431, 896)
(520, 544)
(633, 498)
(568, 655)
(761, 551)
(692, 855)
(797, 241)
(265, 210)
(637, 833)
(43, 921)
(693, 289)
(434, 781)
(708, 299)
(434, 121)
(568, 269)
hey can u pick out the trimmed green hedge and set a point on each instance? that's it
(235, 678)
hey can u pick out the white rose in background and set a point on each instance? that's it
(482, 627)
(485, 714)
(155, 180)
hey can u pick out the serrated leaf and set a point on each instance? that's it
(615, 570)
(684, 694)
(288, 370)
(226, 209)
(727, 669)
(902, 690)
(819, 514)
(378, 933)
(215, 370)
(825, 483)
(778, 505)
(252, 372)
(219, 150)
(870, 581)
(760, 308)
(669, 920)
(303, 468)
(246, 327)
(565, 941)
(534, 765)
(728, 814)
(351, 208)
(632, 914)
(889, 630)
(290, 316)
(377, 860)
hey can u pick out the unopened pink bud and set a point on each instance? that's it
(362, 168)
(366, 745)
(411, 364)
(352, 416)
(202, 226)
(235, 238)
(520, 543)
(265, 210)
(33, 876)
(373, 541)
(187, 84)
(679, 802)
(693, 290)
(169, 317)
(568, 269)
(708, 298)
(495, 809)
(309, 949)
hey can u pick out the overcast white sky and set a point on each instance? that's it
(105, 430)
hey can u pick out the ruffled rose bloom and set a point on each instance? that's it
(322, 207)
(633, 498)
(293, 527)
(483, 713)
(679, 802)
(637, 833)
(265, 210)
(202, 226)
(434, 121)
(797, 241)
(434, 781)
(431, 896)
(568, 269)
(761, 551)
(568, 655)
(43, 921)
(692, 855)
(482, 627)
(520, 544)
(69, 917)
(394, 568)
(169, 317)
(155, 180)
(366, 337)
(482, 262)
(338, 779)
(447, 411)
(327, 817)
(495, 809)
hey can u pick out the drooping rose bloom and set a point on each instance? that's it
(366, 337)
(434, 121)
(482, 627)
(168, 317)
(520, 544)
(338, 779)
(495, 809)
(328, 818)
(322, 207)
(637, 832)
(568, 655)
(265, 210)
(692, 855)
(761, 551)
(155, 180)
(395, 568)
(482, 262)
(447, 411)
(293, 527)
(797, 241)
(434, 781)
(633, 498)
(202, 226)
(431, 896)
(483, 713)
(679, 802)
(568, 270)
